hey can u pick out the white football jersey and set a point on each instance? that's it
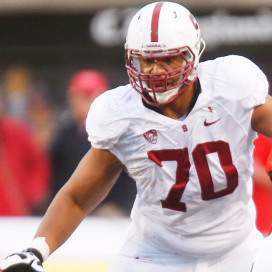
(193, 176)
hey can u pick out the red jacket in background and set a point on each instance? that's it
(262, 191)
(24, 169)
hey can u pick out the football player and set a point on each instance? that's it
(184, 131)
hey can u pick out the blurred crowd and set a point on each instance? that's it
(42, 143)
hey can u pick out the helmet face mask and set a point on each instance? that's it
(154, 83)
(176, 35)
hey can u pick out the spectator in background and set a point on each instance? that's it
(18, 88)
(71, 142)
(24, 168)
(41, 117)
(27, 100)
(262, 192)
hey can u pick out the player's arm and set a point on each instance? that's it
(87, 187)
(262, 122)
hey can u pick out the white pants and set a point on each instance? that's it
(263, 258)
(138, 256)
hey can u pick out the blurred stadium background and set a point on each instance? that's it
(51, 40)
(90, 247)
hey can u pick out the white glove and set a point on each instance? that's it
(25, 261)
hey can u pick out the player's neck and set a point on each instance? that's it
(180, 106)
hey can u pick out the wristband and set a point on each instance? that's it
(39, 248)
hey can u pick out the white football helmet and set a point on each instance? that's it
(163, 29)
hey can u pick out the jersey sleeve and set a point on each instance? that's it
(260, 88)
(104, 123)
(247, 83)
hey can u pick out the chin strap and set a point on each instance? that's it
(163, 97)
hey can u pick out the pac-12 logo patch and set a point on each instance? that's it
(151, 136)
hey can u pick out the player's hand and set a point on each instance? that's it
(24, 261)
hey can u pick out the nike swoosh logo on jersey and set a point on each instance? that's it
(210, 123)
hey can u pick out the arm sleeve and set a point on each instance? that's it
(259, 87)
(105, 125)
(251, 82)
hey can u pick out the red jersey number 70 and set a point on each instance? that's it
(199, 153)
